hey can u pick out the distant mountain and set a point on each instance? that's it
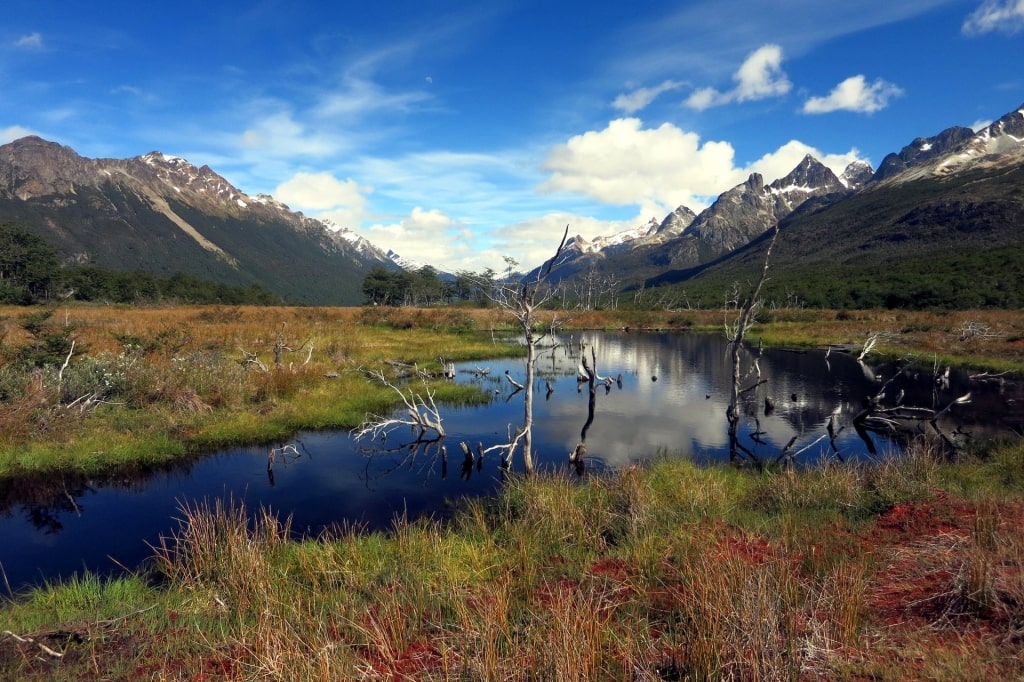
(161, 214)
(943, 231)
(922, 150)
(686, 240)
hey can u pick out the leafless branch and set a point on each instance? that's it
(421, 412)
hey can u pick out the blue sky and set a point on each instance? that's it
(459, 133)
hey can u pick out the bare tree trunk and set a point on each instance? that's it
(531, 356)
(746, 318)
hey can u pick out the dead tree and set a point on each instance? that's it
(523, 299)
(421, 413)
(736, 335)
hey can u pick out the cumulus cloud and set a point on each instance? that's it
(855, 94)
(1003, 16)
(428, 236)
(632, 102)
(32, 41)
(759, 77)
(343, 201)
(625, 164)
(660, 169)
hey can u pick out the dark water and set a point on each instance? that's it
(671, 399)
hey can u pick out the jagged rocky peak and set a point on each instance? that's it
(856, 174)
(1004, 136)
(181, 174)
(922, 150)
(810, 175)
(676, 221)
(754, 183)
(32, 167)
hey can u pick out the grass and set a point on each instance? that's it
(878, 571)
(906, 568)
(150, 384)
(184, 380)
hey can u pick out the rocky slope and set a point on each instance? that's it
(161, 214)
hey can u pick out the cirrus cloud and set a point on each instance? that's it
(1003, 16)
(631, 102)
(32, 41)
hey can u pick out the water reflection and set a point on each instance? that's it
(669, 395)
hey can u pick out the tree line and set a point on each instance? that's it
(425, 287)
(31, 272)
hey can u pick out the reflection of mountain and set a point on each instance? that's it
(683, 411)
(47, 500)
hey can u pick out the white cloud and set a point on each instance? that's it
(280, 135)
(657, 169)
(759, 77)
(631, 102)
(660, 169)
(11, 133)
(322, 192)
(854, 94)
(428, 236)
(360, 96)
(981, 124)
(1003, 16)
(32, 41)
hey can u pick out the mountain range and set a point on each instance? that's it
(162, 215)
(933, 211)
(939, 218)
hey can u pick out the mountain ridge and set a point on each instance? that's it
(162, 214)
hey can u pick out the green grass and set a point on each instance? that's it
(672, 571)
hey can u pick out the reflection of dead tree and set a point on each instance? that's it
(421, 413)
(901, 418)
(579, 453)
(286, 453)
(736, 335)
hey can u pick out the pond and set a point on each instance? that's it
(667, 396)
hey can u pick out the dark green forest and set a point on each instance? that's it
(31, 272)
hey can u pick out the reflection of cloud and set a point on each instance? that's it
(683, 412)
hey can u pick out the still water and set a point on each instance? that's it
(667, 396)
